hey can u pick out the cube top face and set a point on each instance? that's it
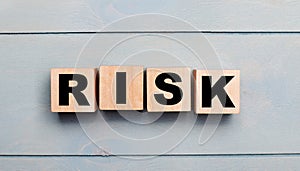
(222, 93)
(121, 88)
(163, 85)
(69, 95)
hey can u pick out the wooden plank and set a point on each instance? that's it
(93, 15)
(152, 163)
(268, 121)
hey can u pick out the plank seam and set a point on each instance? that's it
(149, 32)
(164, 155)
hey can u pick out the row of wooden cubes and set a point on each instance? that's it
(132, 87)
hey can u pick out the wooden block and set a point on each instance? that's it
(121, 88)
(168, 89)
(73, 90)
(217, 91)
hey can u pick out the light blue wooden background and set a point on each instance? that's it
(259, 37)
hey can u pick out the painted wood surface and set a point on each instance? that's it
(156, 163)
(268, 121)
(264, 136)
(95, 15)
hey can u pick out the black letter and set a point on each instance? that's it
(64, 89)
(121, 87)
(209, 92)
(176, 91)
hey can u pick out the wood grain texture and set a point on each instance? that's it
(232, 89)
(268, 121)
(89, 92)
(134, 88)
(96, 15)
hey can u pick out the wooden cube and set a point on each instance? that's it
(217, 91)
(73, 90)
(168, 89)
(121, 88)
